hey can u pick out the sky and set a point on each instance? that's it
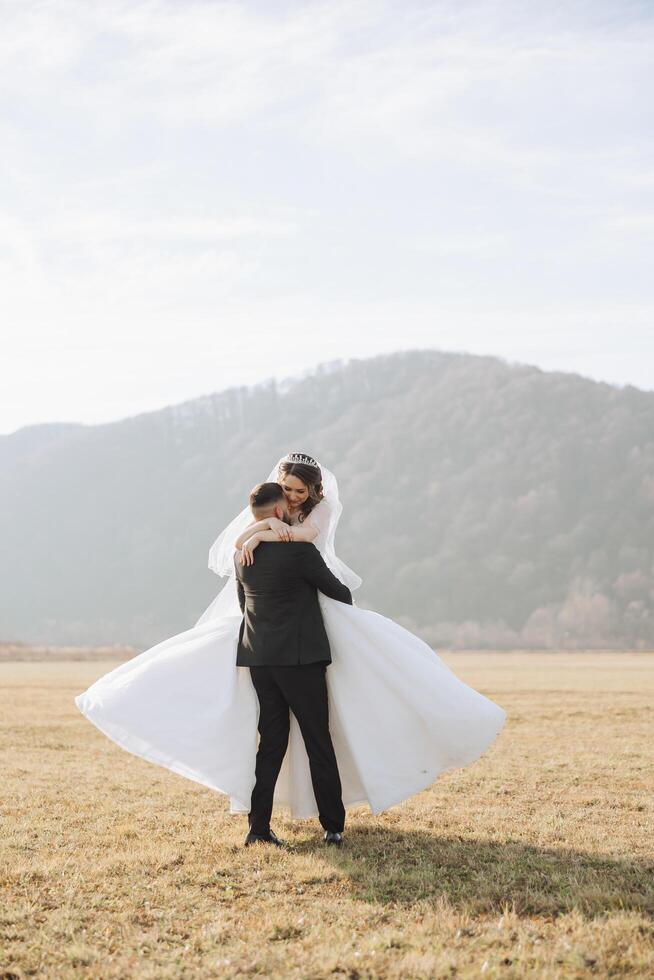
(197, 195)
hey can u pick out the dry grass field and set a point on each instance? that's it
(534, 861)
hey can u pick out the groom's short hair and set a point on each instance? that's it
(265, 495)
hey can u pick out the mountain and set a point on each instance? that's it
(486, 504)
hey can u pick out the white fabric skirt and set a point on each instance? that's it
(398, 715)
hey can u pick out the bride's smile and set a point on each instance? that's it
(295, 491)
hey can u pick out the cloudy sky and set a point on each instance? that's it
(196, 195)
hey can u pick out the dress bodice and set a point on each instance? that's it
(320, 539)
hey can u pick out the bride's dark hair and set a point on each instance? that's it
(311, 476)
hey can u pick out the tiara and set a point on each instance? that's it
(300, 458)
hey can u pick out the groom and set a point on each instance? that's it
(283, 641)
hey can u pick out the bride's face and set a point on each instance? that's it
(295, 491)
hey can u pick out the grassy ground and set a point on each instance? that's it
(534, 861)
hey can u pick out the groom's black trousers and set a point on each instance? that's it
(303, 689)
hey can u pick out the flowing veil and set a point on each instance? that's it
(221, 553)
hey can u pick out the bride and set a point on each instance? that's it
(398, 715)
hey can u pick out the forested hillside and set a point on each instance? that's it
(486, 504)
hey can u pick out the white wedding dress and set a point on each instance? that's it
(398, 715)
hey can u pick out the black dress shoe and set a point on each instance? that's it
(333, 837)
(269, 838)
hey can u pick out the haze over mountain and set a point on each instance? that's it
(486, 504)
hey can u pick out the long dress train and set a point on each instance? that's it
(398, 715)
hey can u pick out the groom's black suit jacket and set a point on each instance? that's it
(282, 623)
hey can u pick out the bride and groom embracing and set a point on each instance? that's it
(284, 643)
(377, 727)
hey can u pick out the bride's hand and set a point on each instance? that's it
(247, 551)
(282, 530)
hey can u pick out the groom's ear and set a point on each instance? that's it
(280, 512)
